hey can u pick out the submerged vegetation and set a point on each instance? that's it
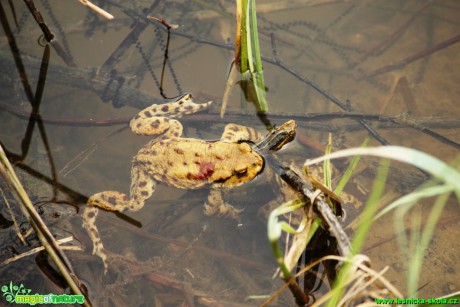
(412, 247)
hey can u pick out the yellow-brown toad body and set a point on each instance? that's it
(180, 162)
(192, 163)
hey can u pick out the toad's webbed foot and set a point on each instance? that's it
(216, 206)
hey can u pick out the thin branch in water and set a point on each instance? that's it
(16, 54)
(426, 52)
(362, 121)
(164, 22)
(13, 12)
(129, 41)
(344, 106)
(83, 156)
(378, 49)
(49, 36)
(166, 61)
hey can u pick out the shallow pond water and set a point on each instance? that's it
(397, 59)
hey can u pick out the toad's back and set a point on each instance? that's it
(192, 163)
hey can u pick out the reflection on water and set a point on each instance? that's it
(393, 58)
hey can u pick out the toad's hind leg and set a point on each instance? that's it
(217, 206)
(89, 223)
(142, 188)
(108, 200)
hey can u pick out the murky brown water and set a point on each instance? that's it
(346, 47)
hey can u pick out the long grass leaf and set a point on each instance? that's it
(327, 165)
(362, 231)
(242, 9)
(349, 171)
(410, 156)
(258, 75)
(420, 243)
(371, 207)
(247, 21)
(414, 197)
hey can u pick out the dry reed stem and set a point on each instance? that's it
(43, 233)
(41, 248)
(97, 9)
(360, 281)
(18, 232)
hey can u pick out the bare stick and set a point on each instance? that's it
(414, 57)
(97, 9)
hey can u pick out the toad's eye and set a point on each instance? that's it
(241, 168)
(241, 172)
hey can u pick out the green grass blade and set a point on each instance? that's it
(247, 20)
(410, 156)
(414, 197)
(258, 75)
(255, 37)
(243, 36)
(327, 165)
(415, 244)
(371, 207)
(362, 231)
(420, 241)
(349, 171)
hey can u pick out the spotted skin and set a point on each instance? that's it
(235, 133)
(180, 162)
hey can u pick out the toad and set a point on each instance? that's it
(185, 163)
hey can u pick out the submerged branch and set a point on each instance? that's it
(426, 52)
(83, 78)
(273, 142)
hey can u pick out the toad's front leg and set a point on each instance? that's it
(157, 119)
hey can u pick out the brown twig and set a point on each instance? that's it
(39, 19)
(423, 125)
(129, 41)
(49, 36)
(393, 37)
(163, 22)
(273, 141)
(344, 106)
(447, 43)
